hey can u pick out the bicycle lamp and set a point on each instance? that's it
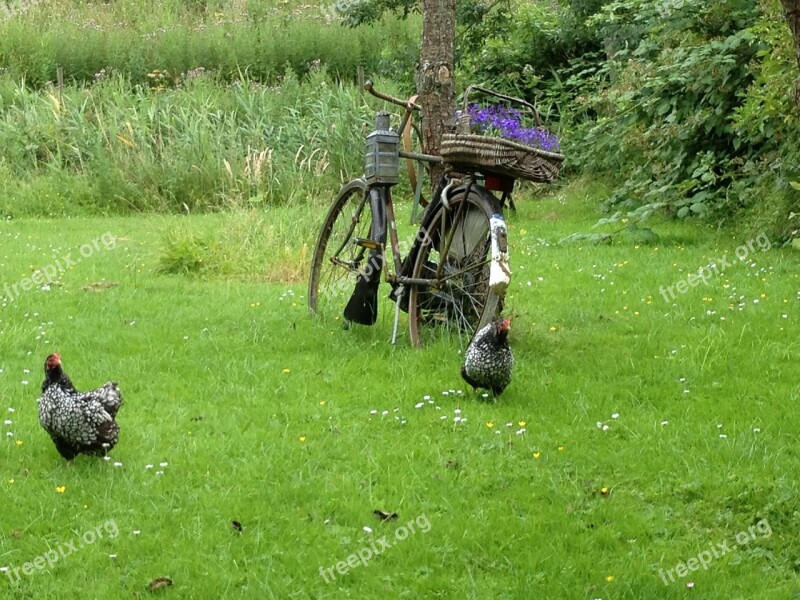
(382, 164)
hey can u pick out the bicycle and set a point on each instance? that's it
(455, 275)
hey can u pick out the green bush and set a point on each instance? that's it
(665, 119)
(185, 253)
(685, 104)
(768, 119)
(525, 49)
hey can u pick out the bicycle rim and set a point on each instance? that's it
(337, 259)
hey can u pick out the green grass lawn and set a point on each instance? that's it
(637, 434)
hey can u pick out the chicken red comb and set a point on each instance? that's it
(53, 360)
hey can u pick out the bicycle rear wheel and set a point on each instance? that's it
(455, 255)
(338, 258)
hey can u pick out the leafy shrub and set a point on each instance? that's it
(768, 118)
(686, 104)
(523, 53)
(665, 119)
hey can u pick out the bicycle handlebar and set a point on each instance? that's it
(407, 104)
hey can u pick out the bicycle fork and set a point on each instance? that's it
(363, 304)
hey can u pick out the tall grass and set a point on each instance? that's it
(269, 245)
(184, 105)
(200, 146)
(255, 37)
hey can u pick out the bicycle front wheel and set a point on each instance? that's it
(338, 259)
(455, 256)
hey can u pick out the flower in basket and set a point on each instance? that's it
(506, 122)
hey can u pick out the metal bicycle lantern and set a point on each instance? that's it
(382, 164)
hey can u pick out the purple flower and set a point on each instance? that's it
(506, 122)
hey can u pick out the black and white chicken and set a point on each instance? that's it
(488, 361)
(78, 422)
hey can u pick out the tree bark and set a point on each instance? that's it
(792, 10)
(435, 79)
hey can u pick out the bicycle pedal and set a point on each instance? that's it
(366, 243)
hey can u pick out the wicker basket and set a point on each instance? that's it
(470, 152)
(464, 151)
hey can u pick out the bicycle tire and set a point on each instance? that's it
(337, 261)
(460, 300)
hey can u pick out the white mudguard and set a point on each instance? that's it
(499, 272)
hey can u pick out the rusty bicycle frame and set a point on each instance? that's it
(379, 195)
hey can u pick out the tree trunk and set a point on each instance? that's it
(435, 81)
(792, 9)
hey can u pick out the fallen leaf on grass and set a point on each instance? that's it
(158, 583)
(384, 516)
(99, 286)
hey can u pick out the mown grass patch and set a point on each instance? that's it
(636, 434)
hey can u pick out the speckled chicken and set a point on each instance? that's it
(489, 359)
(78, 422)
